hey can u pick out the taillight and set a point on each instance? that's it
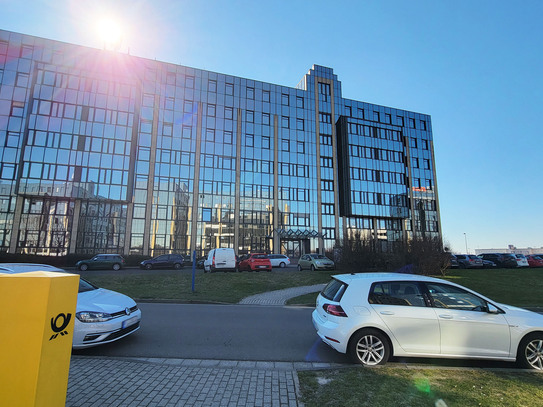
(335, 310)
(213, 261)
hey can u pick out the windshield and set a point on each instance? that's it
(85, 286)
(319, 256)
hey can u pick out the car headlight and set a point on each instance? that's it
(91, 316)
(318, 263)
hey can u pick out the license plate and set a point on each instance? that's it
(130, 321)
(261, 267)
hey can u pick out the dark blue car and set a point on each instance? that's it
(165, 261)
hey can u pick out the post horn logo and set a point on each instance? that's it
(59, 324)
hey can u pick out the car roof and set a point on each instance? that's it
(13, 268)
(348, 278)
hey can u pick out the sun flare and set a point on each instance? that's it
(110, 32)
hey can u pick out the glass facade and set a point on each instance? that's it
(106, 152)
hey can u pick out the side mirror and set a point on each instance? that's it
(492, 309)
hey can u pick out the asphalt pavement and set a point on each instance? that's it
(112, 381)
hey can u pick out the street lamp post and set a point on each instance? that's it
(466, 240)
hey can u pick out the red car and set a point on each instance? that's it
(534, 261)
(254, 262)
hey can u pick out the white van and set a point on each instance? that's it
(223, 259)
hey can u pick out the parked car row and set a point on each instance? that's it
(221, 259)
(493, 260)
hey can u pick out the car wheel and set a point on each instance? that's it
(530, 352)
(116, 266)
(299, 268)
(177, 266)
(282, 265)
(369, 347)
(148, 266)
(83, 267)
(312, 267)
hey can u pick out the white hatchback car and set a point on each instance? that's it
(373, 316)
(102, 316)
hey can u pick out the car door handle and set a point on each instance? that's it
(446, 316)
(387, 312)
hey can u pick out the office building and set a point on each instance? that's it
(103, 152)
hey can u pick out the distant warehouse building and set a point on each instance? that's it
(107, 152)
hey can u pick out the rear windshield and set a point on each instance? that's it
(259, 256)
(334, 290)
(472, 256)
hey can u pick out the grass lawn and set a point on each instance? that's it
(209, 287)
(522, 288)
(399, 386)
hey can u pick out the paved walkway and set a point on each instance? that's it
(280, 297)
(100, 382)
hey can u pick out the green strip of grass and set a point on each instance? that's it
(523, 288)
(393, 386)
(209, 287)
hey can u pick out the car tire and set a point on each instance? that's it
(83, 267)
(300, 268)
(177, 266)
(530, 351)
(148, 266)
(116, 267)
(282, 265)
(369, 347)
(312, 267)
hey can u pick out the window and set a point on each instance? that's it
(376, 116)
(228, 137)
(189, 82)
(210, 134)
(451, 297)
(325, 118)
(250, 92)
(284, 99)
(266, 143)
(229, 89)
(403, 293)
(399, 120)
(211, 110)
(348, 111)
(266, 119)
(285, 122)
(187, 132)
(360, 113)
(228, 113)
(413, 142)
(17, 109)
(212, 86)
(285, 145)
(299, 124)
(326, 139)
(249, 140)
(300, 147)
(388, 118)
(250, 116)
(265, 95)
(326, 162)
(423, 124)
(425, 144)
(426, 164)
(412, 123)
(324, 91)
(299, 102)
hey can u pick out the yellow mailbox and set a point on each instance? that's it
(37, 311)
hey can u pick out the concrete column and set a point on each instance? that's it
(148, 234)
(75, 226)
(276, 238)
(237, 202)
(196, 183)
(16, 223)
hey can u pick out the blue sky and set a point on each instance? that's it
(475, 66)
